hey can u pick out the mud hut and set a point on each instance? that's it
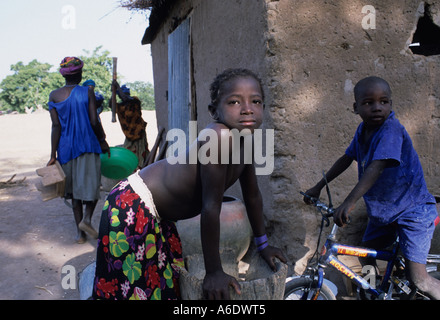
(309, 55)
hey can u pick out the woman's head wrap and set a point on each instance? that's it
(71, 65)
(125, 89)
(89, 82)
(99, 97)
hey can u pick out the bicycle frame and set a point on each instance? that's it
(328, 257)
(331, 249)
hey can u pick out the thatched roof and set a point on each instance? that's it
(137, 5)
(159, 12)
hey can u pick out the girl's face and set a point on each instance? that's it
(241, 104)
(374, 105)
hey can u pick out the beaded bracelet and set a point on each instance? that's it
(261, 242)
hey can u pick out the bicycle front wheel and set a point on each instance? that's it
(297, 288)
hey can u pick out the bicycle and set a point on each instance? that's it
(391, 286)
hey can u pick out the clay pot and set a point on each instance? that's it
(235, 230)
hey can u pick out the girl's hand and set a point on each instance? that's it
(270, 253)
(216, 286)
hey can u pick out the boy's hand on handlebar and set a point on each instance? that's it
(312, 193)
(341, 214)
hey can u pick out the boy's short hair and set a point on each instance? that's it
(227, 75)
(369, 81)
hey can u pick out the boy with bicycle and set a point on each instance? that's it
(391, 181)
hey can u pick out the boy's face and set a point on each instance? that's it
(373, 104)
(241, 104)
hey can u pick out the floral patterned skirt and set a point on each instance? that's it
(138, 257)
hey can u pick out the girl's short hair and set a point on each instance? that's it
(229, 74)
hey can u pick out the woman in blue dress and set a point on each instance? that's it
(77, 140)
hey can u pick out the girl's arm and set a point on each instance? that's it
(213, 179)
(254, 207)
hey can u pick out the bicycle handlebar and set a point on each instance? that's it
(320, 205)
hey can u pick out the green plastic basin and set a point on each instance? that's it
(121, 164)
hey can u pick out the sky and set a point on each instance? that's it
(49, 30)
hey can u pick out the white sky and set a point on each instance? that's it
(49, 30)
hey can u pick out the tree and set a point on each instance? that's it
(98, 67)
(30, 85)
(145, 92)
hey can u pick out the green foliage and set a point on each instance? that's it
(30, 85)
(145, 92)
(98, 67)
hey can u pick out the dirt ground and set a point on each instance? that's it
(36, 237)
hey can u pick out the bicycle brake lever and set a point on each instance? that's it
(314, 200)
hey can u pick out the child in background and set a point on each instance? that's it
(139, 250)
(391, 182)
